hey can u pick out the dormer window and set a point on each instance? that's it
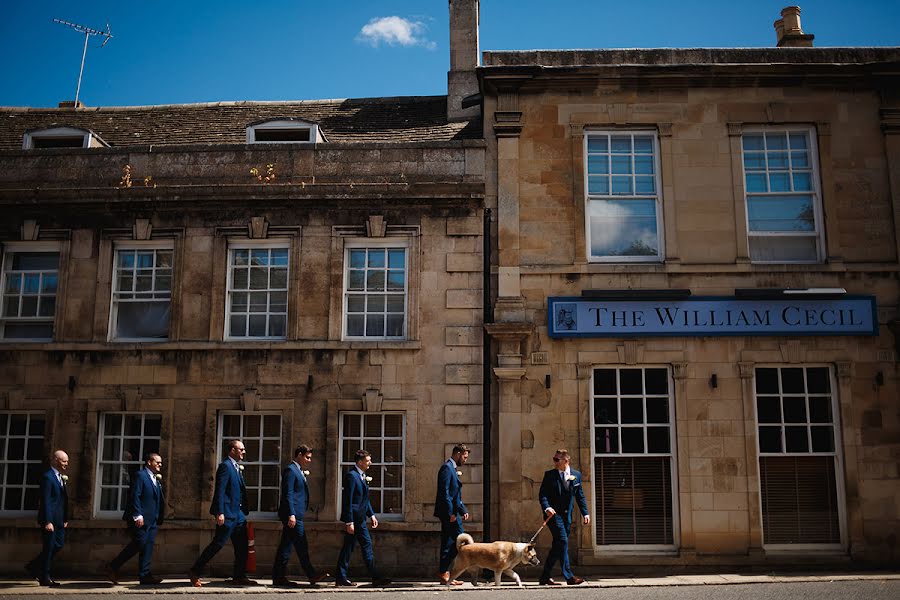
(62, 137)
(284, 131)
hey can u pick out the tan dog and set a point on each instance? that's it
(499, 557)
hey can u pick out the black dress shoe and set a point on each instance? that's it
(344, 583)
(32, 571)
(150, 580)
(284, 582)
(548, 582)
(243, 582)
(381, 582)
(574, 580)
(49, 583)
(321, 576)
(111, 574)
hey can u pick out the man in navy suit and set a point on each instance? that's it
(449, 508)
(291, 509)
(559, 490)
(53, 517)
(144, 512)
(229, 507)
(355, 509)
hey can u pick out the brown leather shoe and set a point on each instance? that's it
(550, 581)
(320, 577)
(444, 577)
(574, 581)
(195, 578)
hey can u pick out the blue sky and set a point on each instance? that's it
(174, 51)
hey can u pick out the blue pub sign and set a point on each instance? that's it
(711, 316)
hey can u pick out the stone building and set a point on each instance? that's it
(176, 276)
(697, 271)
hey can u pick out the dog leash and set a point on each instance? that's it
(544, 524)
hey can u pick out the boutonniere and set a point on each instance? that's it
(570, 478)
(368, 479)
(241, 468)
(65, 478)
(159, 477)
(459, 473)
(306, 473)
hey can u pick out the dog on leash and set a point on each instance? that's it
(499, 557)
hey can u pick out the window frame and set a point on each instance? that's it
(114, 282)
(816, 193)
(393, 243)
(220, 440)
(344, 465)
(88, 138)
(658, 196)
(4, 440)
(269, 244)
(98, 512)
(672, 455)
(10, 249)
(837, 453)
(284, 125)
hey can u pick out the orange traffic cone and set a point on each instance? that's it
(251, 549)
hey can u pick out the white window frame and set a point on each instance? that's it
(221, 439)
(394, 243)
(99, 512)
(345, 463)
(658, 197)
(270, 244)
(10, 249)
(840, 488)
(815, 176)
(5, 436)
(89, 138)
(672, 454)
(315, 134)
(114, 302)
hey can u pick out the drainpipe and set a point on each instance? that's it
(487, 429)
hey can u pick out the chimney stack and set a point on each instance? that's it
(788, 32)
(464, 59)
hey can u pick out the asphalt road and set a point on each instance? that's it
(839, 590)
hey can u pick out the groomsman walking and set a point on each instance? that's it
(291, 510)
(229, 507)
(143, 514)
(449, 508)
(560, 489)
(53, 517)
(355, 510)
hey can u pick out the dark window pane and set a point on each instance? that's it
(35, 428)
(606, 410)
(632, 440)
(794, 410)
(18, 424)
(606, 440)
(630, 381)
(822, 439)
(657, 410)
(13, 499)
(35, 449)
(15, 474)
(658, 440)
(605, 382)
(792, 381)
(768, 409)
(393, 425)
(16, 449)
(818, 380)
(656, 381)
(31, 498)
(152, 426)
(770, 439)
(820, 409)
(268, 500)
(632, 410)
(767, 381)
(352, 426)
(795, 439)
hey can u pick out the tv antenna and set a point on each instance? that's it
(88, 32)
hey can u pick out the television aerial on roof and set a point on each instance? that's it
(88, 32)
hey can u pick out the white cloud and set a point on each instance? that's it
(395, 31)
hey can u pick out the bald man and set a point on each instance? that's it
(53, 517)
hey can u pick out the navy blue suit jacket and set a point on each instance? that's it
(229, 499)
(294, 493)
(448, 500)
(53, 506)
(145, 499)
(355, 505)
(554, 495)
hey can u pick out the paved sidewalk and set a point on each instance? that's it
(218, 586)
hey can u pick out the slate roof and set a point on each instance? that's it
(401, 119)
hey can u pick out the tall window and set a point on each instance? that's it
(124, 440)
(261, 434)
(623, 199)
(375, 293)
(781, 182)
(383, 435)
(799, 474)
(142, 294)
(21, 461)
(29, 295)
(633, 457)
(257, 292)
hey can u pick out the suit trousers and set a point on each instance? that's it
(559, 551)
(292, 538)
(360, 534)
(237, 533)
(142, 540)
(449, 532)
(53, 542)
